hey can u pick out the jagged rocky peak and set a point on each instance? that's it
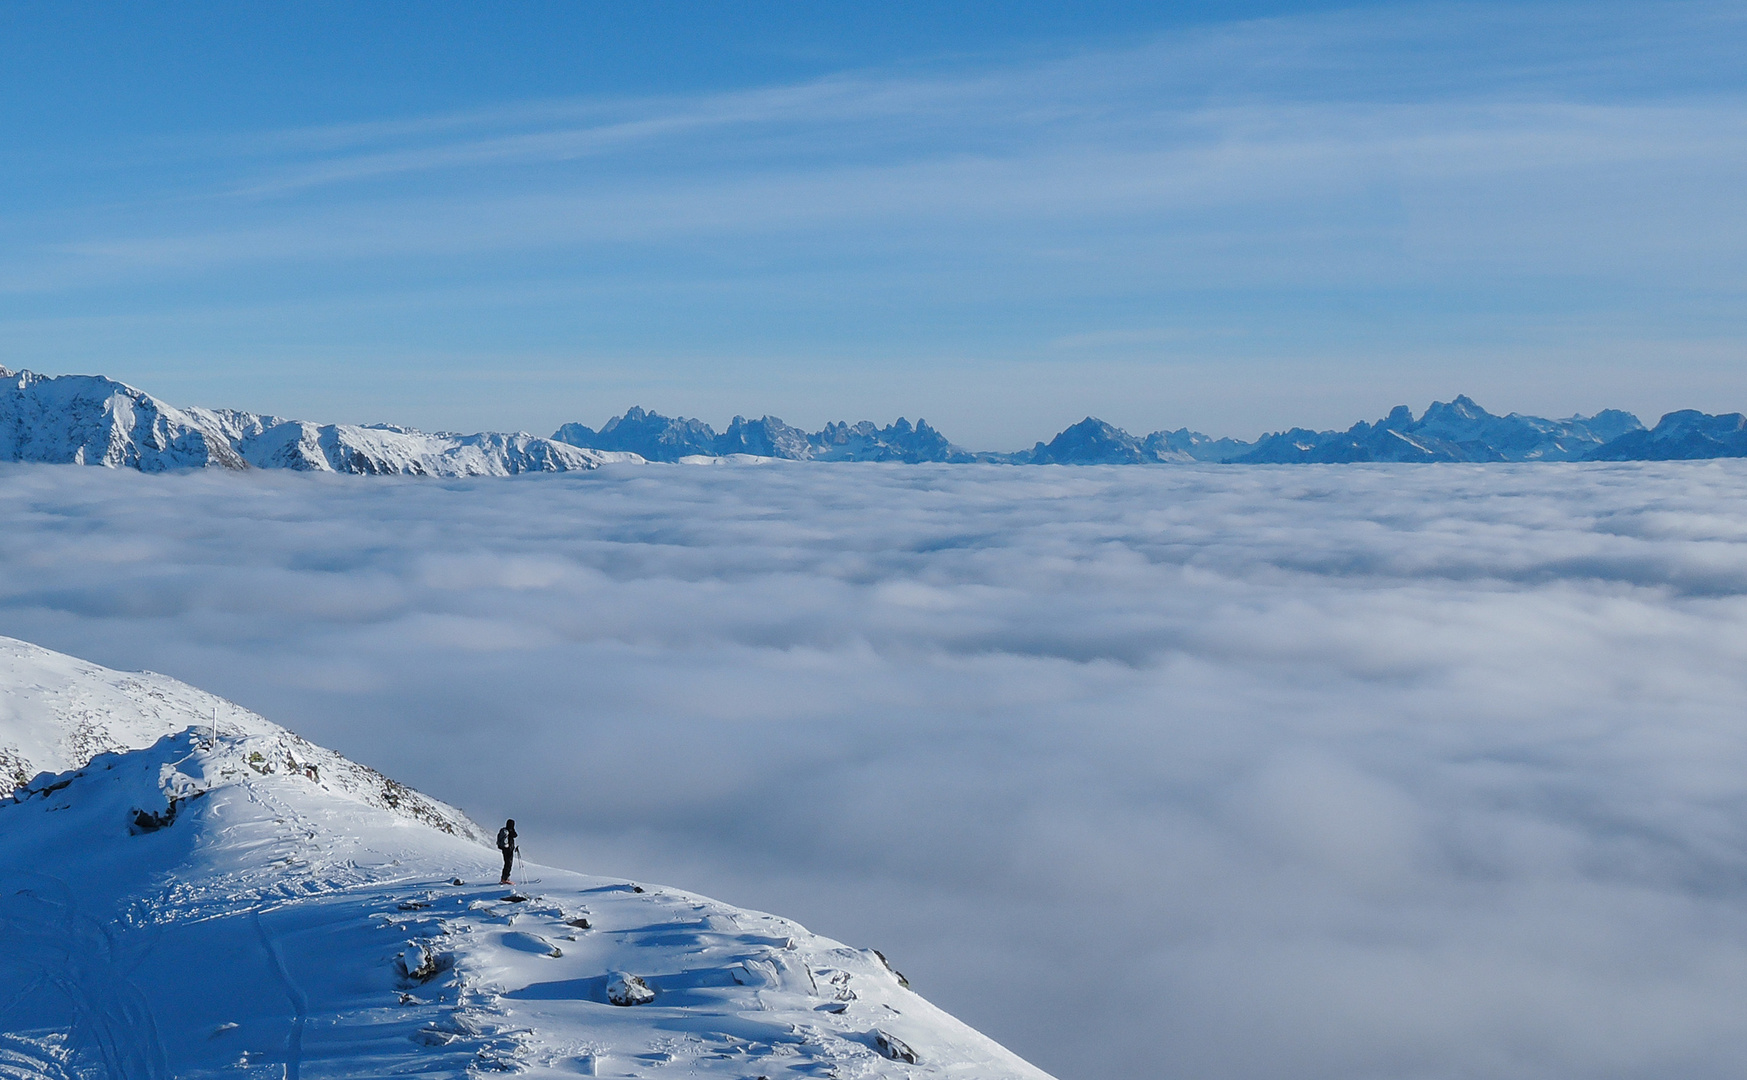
(1096, 442)
(1459, 430)
(199, 900)
(1608, 424)
(91, 420)
(767, 436)
(1090, 442)
(1462, 410)
(897, 441)
(650, 435)
(88, 419)
(667, 438)
(1399, 417)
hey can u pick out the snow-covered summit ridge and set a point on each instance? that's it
(58, 713)
(187, 904)
(93, 420)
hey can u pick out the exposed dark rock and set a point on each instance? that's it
(145, 821)
(420, 963)
(15, 771)
(895, 1048)
(899, 974)
(627, 989)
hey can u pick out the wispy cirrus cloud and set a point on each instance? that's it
(1301, 113)
(1374, 184)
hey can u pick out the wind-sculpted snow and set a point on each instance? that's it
(1311, 771)
(59, 713)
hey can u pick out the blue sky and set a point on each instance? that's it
(1002, 218)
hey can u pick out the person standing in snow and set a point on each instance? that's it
(506, 843)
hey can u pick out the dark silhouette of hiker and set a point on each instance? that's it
(506, 843)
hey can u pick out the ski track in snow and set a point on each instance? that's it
(72, 954)
(299, 1002)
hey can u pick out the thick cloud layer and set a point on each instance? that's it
(1325, 772)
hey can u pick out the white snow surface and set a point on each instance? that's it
(93, 420)
(186, 899)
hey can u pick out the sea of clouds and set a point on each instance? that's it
(1350, 771)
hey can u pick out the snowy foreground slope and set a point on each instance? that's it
(176, 905)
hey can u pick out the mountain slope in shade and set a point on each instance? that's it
(189, 898)
(1687, 435)
(1094, 442)
(1458, 430)
(91, 420)
(668, 438)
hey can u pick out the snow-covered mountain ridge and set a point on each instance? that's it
(92, 420)
(189, 898)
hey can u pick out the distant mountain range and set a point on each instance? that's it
(93, 420)
(666, 438)
(1458, 430)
